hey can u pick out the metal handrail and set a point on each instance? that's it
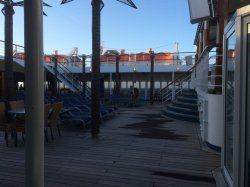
(166, 96)
(16, 48)
(68, 76)
(186, 75)
(71, 73)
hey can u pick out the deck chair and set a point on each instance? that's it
(19, 120)
(17, 104)
(47, 108)
(4, 126)
(54, 119)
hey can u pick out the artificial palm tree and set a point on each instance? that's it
(8, 11)
(97, 6)
(8, 50)
(95, 76)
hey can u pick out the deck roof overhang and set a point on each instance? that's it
(16, 67)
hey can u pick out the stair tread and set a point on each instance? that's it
(185, 107)
(181, 108)
(181, 114)
(187, 98)
(184, 103)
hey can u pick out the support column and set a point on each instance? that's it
(151, 77)
(34, 103)
(139, 86)
(55, 86)
(173, 85)
(200, 42)
(146, 90)
(126, 86)
(206, 34)
(110, 83)
(84, 75)
(9, 85)
(45, 82)
(1, 84)
(117, 76)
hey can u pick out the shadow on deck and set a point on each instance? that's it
(136, 148)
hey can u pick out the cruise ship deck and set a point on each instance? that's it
(138, 147)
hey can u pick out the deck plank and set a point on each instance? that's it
(137, 147)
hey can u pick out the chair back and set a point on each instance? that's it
(55, 116)
(3, 118)
(16, 104)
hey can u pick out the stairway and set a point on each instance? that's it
(184, 107)
(67, 77)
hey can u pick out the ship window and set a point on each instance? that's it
(229, 102)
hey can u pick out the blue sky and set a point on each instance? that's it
(156, 24)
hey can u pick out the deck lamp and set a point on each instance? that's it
(134, 70)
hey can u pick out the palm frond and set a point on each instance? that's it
(2, 2)
(128, 2)
(66, 1)
(45, 4)
(19, 3)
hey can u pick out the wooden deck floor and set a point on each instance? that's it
(136, 148)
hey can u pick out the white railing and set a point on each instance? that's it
(171, 91)
(17, 49)
(212, 73)
(64, 74)
(203, 81)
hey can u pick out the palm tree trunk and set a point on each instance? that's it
(95, 76)
(8, 59)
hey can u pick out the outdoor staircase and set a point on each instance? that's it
(184, 107)
(67, 77)
(64, 75)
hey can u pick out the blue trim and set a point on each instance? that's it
(214, 147)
